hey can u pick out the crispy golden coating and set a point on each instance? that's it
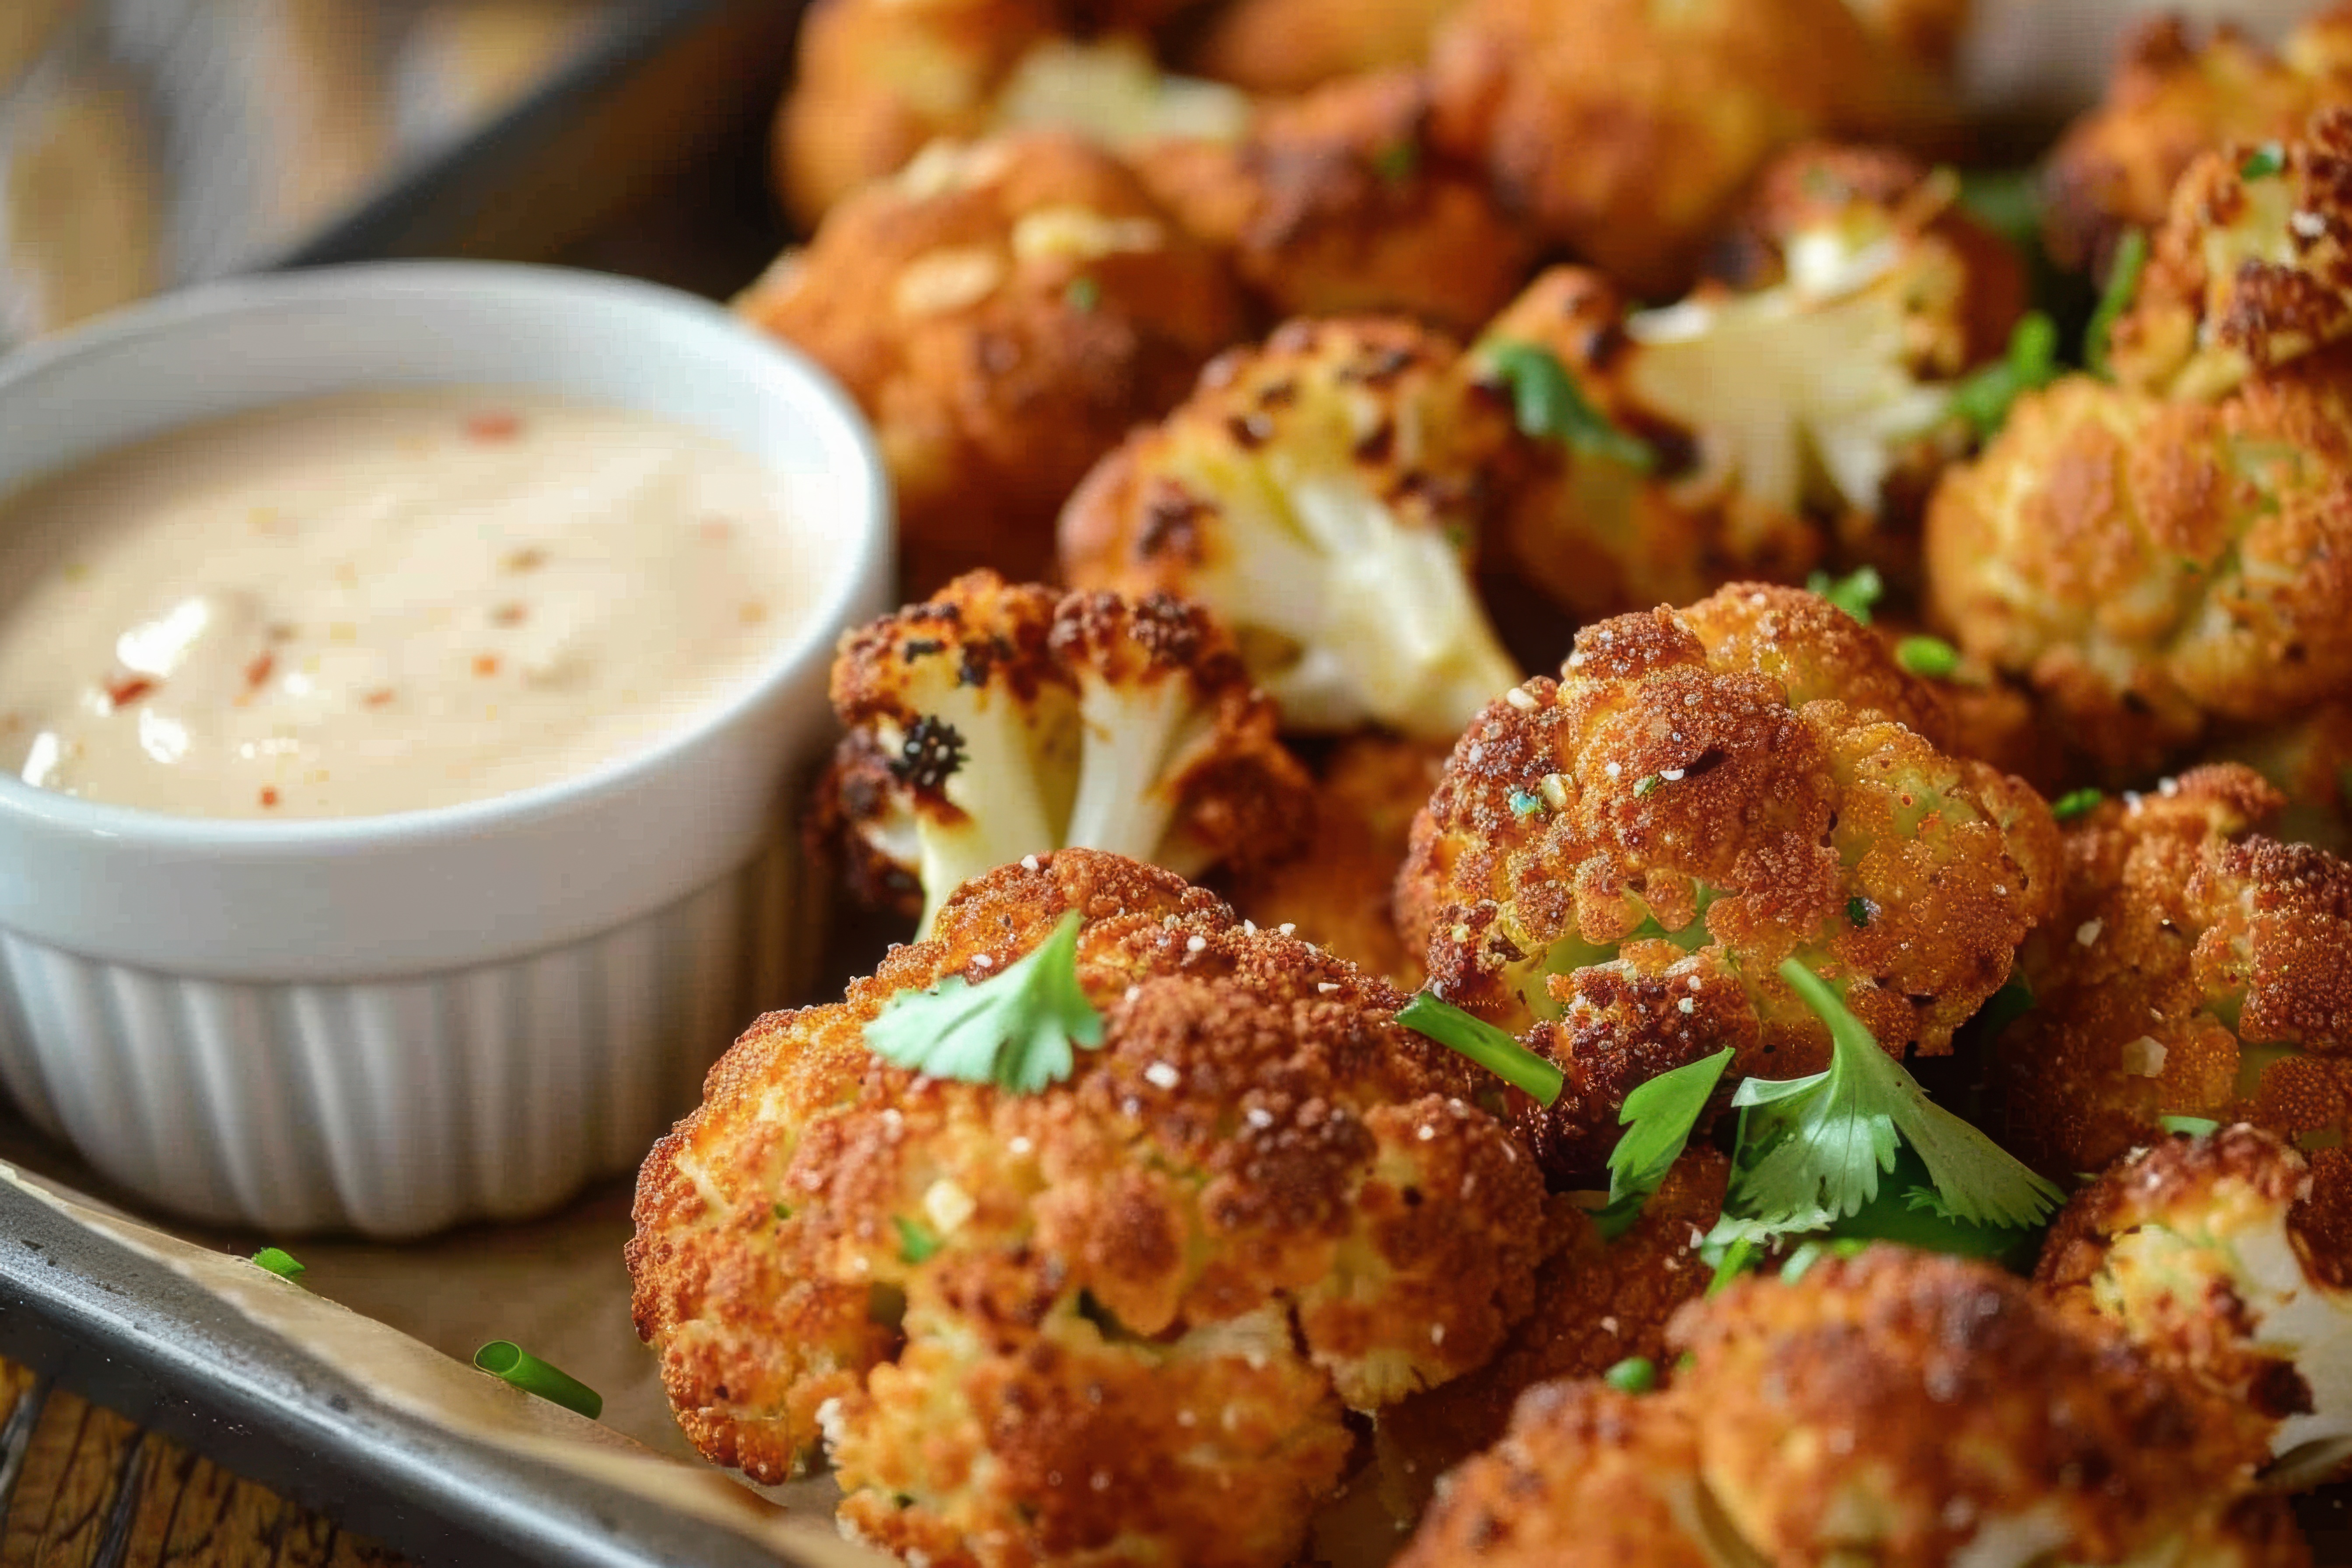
(2151, 566)
(1623, 857)
(2193, 968)
(1005, 312)
(1336, 204)
(1291, 46)
(1337, 889)
(2253, 267)
(2309, 760)
(877, 80)
(2173, 97)
(1626, 130)
(993, 721)
(1249, 1209)
(1927, 31)
(1901, 1410)
(1323, 495)
(1597, 1302)
(2211, 1253)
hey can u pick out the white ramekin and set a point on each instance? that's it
(391, 1024)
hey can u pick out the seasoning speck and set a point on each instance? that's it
(268, 795)
(494, 424)
(485, 664)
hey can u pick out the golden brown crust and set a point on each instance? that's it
(1005, 312)
(1336, 204)
(1293, 46)
(1185, 1200)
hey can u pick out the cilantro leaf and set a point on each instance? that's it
(1985, 395)
(1854, 595)
(1014, 1029)
(1827, 1139)
(1659, 1115)
(1491, 1047)
(1547, 403)
(2123, 283)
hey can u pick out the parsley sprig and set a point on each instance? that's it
(1548, 404)
(1658, 1118)
(1016, 1029)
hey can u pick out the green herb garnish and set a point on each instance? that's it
(1082, 294)
(1853, 594)
(280, 1262)
(1984, 397)
(1658, 1117)
(1857, 909)
(1524, 804)
(916, 1242)
(1014, 1029)
(1396, 162)
(2076, 803)
(1482, 1043)
(1646, 786)
(2006, 201)
(2123, 283)
(505, 1359)
(782, 1211)
(2194, 1126)
(1634, 1374)
(2263, 162)
(1932, 659)
(1548, 404)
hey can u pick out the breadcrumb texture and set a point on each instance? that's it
(2194, 968)
(2220, 1256)
(2173, 96)
(2153, 567)
(1003, 312)
(1619, 860)
(1144, 1296)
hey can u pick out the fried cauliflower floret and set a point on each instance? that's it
(2253, 267)
(1005, 312)
(1623, 857)
(994, 722)
(1769, 422)
(1626, 130)
(2173, 97)
(2203, 1250)
(2193, 968)
(1337, 889)
(2151, 567)
(1322, 494)
(1897, 1410)
(1336, 204)
(1597, 1303)
(2309, 760)
(1292, 45)
(1119, 1320)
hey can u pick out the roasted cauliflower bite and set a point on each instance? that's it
(1619, 861)
(1116, 1321)
(1336, 204)
(2193, 968)
(1900, 1409)
(1669, 111)
(1597, 1303)
(2150, 566)
(2209, 1252)
(1005, 312)
(1323, 495)
(994, 722)
(2253, 267)
(1292, 45)
(1807, 408)
(1337, 889)
(2172, 97)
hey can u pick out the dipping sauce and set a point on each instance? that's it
(384, 601)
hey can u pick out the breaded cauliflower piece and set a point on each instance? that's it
(1897, 1410)
(1623, 858)
(1323, 495)
(2202, 1249)
(2171, 97)
(2152, 566)
(2193, 968)
(1335, 204)
(1293, 46)
(994, 722)
(1597, 1303)
(1801, 412)
(2309, 760)
(1626, 130)
(1005, 312)
(1337, 889)
(1119, 1320)
(2253, 267)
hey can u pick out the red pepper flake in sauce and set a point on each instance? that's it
(123, 690)
(379, 698)
(256, 674)
(485, 664)
(494, 424)
(268, 795)
(525, 560)
(508, 616)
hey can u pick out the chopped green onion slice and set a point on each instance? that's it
(915, 1242)
(1855, 594)
(505, 1359)
(1482, 1043)
(2265, 161)
(2194, 1126)
(2076, 803)
(1930, 657)
(2123, 283)
(1634, 1374)
(280, 1262)
(1984, 396)
(1547, 403)
(2007, 201)
(1857, 909)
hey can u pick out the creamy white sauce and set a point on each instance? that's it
(383, 601)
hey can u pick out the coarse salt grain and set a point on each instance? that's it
(1326, 986)
(1162, 1075)
(1520, 698)
(1028, 862)
(2088, 931)
(1196, 944)
(2144, 1058)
